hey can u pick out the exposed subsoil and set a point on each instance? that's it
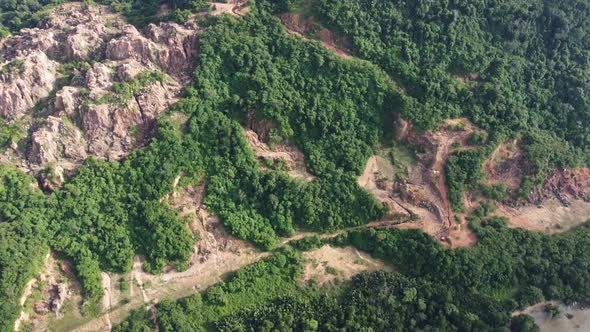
(328, 264)
(507, 165)
(232, 7)
(294, 159)
(302, 25)
(421, 199)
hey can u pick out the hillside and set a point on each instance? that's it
(293, 165)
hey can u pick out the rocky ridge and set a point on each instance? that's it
(84, 83)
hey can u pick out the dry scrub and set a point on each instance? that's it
(328, 264)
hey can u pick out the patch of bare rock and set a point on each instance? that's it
(84, 83)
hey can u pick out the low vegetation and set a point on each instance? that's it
(124, 91)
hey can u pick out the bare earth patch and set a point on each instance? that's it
(378, 179)
(299, 24)
(220, 8)
(47, 295)
(294, 159)
(215, 255)
(573, 319)
(507, 165)
(420, 197)
(551, 217)
(328, 264)
(469, 79)
(561, 203)
(232, 7)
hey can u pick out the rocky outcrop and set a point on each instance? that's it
(71, 71)
(169, 46)
(99, 80)
(67, 100)
(25, 81)
(87, 40)
(57, 139)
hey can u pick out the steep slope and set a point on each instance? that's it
(86, 84)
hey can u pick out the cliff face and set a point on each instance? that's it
(84, 83)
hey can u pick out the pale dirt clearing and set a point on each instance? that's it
(107, 299)
(46, 295)
(573, 318)
(551, 217)
(469, 79)
(419, 198)
(233, 7)
(215, 255)
(220, 8)
(378, 179)
(328, 264)
(206, 269)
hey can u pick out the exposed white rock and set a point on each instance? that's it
(86, 116)
(67, 100)
(57, 139)
(25, 81)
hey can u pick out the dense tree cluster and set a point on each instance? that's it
(527, 62)
(108, 212)
(335, 110)
(530, 62)
(23, 227)
(515, 266)
(377, 301)
(463, 169)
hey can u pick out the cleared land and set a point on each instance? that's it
(329, 264)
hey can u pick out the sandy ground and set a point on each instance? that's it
(222, 8)
(469, 79)
(24, 316)
(215, 255)
(292, 156)
(233, 7)
(574, 319)
(43, 290)
(377, 179)
(108, 298)
(327, 264)
(206, 270)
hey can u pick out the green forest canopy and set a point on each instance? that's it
(532, 84)
(531, 60)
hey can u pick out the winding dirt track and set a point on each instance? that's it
(235, 8)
